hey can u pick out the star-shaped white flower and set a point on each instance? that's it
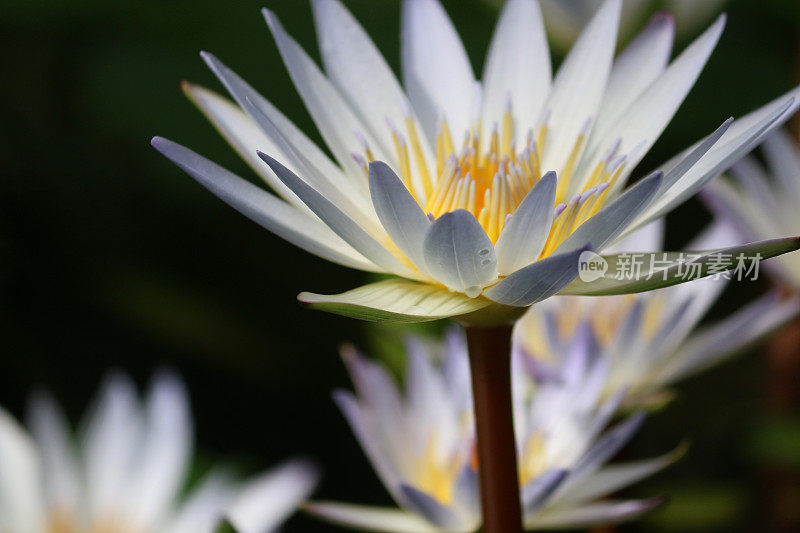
(479, 196)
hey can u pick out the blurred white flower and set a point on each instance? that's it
(421, 443)
(477, 195)
(566, 18)
(127, 472)
(649, 340)
(763, 202)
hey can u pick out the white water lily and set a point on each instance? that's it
(421, 443)
(127, 472)
(648, 340)
(763, 202)
(478, 195)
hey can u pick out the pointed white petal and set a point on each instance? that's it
(356, 67)
(436, 70)
(265, 502)
(649, 238)
(642, 61)
(605, 448)
(437, 513)
(275, 215)
(112, 431)
(398, 211)
(783, 160)
(579, 85)
(285, 139)
(459, 254)
(596, 514)
(612, 478)
(335, 119)
(339, 222)
(517, 67)
(373, 519)
(650, 113)
(22, 507)
(601, 229)
(524, 236)
(203, 506)
(59, 462)
(742, 136)
(163, 459)
(537, 281)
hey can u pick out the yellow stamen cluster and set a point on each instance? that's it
(491, 182)
(437, 476)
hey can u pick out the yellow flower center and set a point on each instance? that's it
(491, 181)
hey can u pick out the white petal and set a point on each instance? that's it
(517, 67)
(371, 518)
(595, 514)
(524, 236)
(21, 494)
(537, 281)
(459, 254)
(59, 462)
(647, 117)
(339, 222)
(783, 160)
(203, 506)
(649, 238)
(742, 136)
(276, 215)
(356, 67)
(636, 67)
(269, 499)
(436, 70)
(398, 211)
(288, 142)
(112, 432)
(579, 85)
(335, 119)
(166, 449)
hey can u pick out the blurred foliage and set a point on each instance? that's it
(112, 257)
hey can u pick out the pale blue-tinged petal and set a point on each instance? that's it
(730, 336)
(263, 208)
(459, 254)
(650, 113)
(22, 507)
(596, 514)
(356, 67)
(605, 448)
(401, 216)
(203, 505)
(636, 67)
(436, 70)
(611, 479)
(524, 236)
(333, 116)
(264, 502)
(538, 280)
(783, 160)
(649, 238)
(339, 222)
(601, 229)
(433, 510)
(517, 69)
(374, 519)
(539, 490)
(287, 141)
(579, 86)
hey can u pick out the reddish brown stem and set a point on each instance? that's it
(490, 364)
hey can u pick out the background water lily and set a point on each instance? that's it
(420, 441)
(485, 188)
(649, 340)
(128, 472)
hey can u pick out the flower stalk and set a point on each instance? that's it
(490, 366)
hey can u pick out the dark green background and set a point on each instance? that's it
(113, 258)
